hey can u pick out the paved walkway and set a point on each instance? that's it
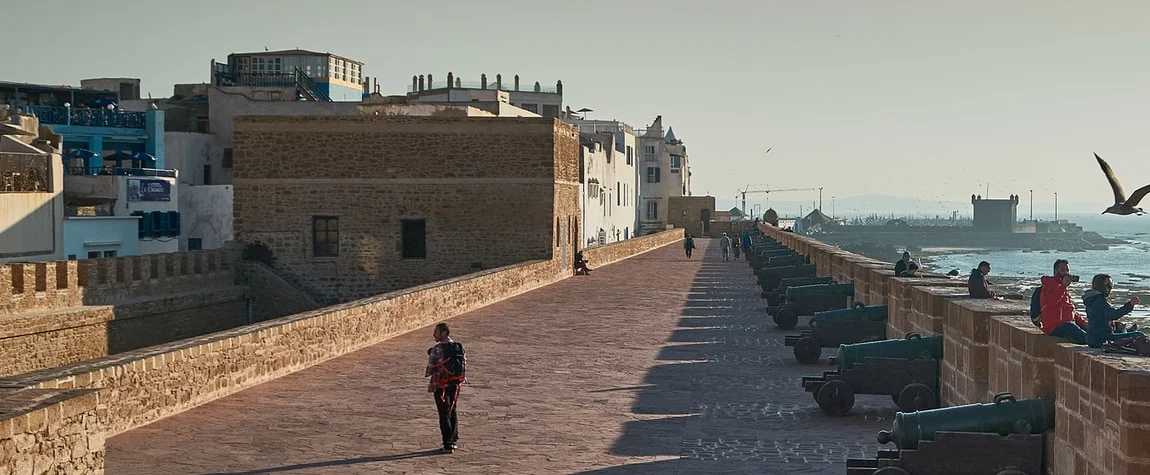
(654, 365)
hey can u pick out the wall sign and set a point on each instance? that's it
(149, 190)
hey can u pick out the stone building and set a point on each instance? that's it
(695, 214)
(354, 206)
(664, 172)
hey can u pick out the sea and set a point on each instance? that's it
(1128, 264)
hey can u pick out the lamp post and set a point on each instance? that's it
(820, 199)
(1032, 205)
(1056, 206)
(833, 207)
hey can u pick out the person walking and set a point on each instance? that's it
(747, 245)
(447, 368)
(725, 244)
(689, 245)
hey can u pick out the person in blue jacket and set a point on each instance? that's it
(747, 245)
(1099, 313)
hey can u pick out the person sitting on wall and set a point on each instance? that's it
(581, 264)
(903, 268)
(1059, 318)
(977, 285)
(1100, 314)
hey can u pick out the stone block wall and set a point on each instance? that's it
(492, 191)
(614, 252)
(1102, 418)
(50, 432)
(41, 286)
(273, 296)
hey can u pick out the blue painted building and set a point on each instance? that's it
(323, 77)
(116, 141)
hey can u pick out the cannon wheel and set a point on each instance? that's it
(836, 398)
(808, 350)
(859, 305)
(891, 471)
(916, 397)
(787, 317)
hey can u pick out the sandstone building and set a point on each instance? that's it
(354, 206)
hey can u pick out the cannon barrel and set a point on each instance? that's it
(770, 276)
(1005, 416)
(795, 294)
(800, 281)
(873, 313)
(780, 261)
(914, 346)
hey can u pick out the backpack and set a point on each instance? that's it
(1036, 307)
(454, 362)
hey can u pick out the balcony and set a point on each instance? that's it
(85, 117)
(120, 171)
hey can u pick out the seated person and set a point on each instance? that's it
(1059, 318)
(905, 267)
(581, 264)
(977, 285)
(1100, 314)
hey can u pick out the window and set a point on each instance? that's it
(652, 210)
(653, 175)
(109, 253)
(93, 254)
(618, 194)
(71, 257)
(550, 111)
(676, 162)
(649, 153)
(325, 236)
(195, 244)
(630, 153)
(227, 160)
(207, 174)
(414, 236)
(533, 108)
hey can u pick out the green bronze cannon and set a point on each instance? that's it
(1005, 416)
(782, 261)
(1004, 437)
(832, 328)
(769, 278)
(810, 299)
(906, 369)
(774, 297)
(759, 259)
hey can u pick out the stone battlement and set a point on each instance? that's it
(990, 346)
(39, 286)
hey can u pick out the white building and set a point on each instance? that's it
(535, 98)
(31, 198)
(664, 172)
(608, 186)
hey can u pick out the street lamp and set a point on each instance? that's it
(820, 199)
(1032, 205)
(1056, 206)
(833, 207)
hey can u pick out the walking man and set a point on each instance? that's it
(725, 243)
(689, 245)
(447, 368)
(747, 245)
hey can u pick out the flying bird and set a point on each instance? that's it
(1122, 204)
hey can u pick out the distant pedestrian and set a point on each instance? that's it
(746, 245)
(447, 368)
(725, 244)
(689, 245)
(977, 286)
(735, 249)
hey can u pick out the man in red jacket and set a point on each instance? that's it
(1059, 318)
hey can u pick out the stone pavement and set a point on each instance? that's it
(653, 365)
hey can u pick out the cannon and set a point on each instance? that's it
(769, 278)
(782, 261)
(832, 328)
(906, 369)
(774, 297)
(759, 259)
(810, 299)
(1004, 437)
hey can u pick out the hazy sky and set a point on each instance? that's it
(905, 98)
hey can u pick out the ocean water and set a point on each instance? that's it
(1128, 264)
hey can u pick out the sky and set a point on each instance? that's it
(931, 100)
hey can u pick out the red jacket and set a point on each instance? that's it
(1057, 308)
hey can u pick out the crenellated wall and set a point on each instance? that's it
(1102, 423)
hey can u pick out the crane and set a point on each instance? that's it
(747, 189)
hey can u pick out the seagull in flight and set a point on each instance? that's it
(1122, 204)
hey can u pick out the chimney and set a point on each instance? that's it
(414, 83)
(450, 81)
(421, 82)
(516, 82)
(559, 87)
(459, 82)
(483, 81)
(366, 85)
(499, 81)
(430, 83)
(537, 88)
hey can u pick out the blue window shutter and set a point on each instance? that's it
(174, 223)
(144, 226)
(158, 226)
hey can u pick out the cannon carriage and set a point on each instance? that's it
(1005, 437)
(774, 297)
(832, 328)
(808, 300)
(906, 369)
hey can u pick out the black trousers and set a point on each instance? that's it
(688, 253)
(448, 422)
